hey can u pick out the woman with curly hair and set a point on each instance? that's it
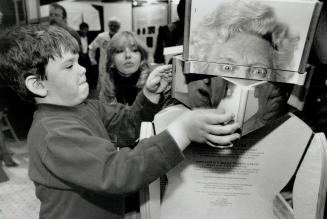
(244, 39)
(252, 31)
(127, 69)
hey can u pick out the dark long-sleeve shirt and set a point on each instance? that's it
(78, 171)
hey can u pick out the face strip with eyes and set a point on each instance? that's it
(244, 55)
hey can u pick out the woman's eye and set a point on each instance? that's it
(259, 72)
(226, 67)
(119, 50)
(134, 48)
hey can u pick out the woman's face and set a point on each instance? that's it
(244, 55)
(127, 57)
(206, 91)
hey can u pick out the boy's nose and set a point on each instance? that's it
(82, 70)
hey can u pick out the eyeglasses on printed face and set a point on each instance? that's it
(253, 72)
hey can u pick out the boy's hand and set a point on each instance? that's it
(159, 79)
(204, 126)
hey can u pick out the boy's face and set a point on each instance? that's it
(66, 81)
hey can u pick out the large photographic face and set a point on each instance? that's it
(245, 55)
(127, 57)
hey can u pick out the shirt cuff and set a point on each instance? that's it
(173, 155)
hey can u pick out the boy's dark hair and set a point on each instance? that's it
(83, 25)
(26, 50)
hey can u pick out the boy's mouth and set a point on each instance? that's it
(83, 81)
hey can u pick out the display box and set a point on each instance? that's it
(257, 39)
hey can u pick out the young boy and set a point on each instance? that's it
(77, 170)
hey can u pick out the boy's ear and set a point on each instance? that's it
(36, 86)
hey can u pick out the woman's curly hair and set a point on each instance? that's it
(244, 16)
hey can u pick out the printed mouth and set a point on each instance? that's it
(204, 97)
(203, 93)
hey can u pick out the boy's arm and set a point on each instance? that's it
(127, 129)
(124, 122)
(74, 156)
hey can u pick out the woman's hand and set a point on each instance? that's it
(159, 79)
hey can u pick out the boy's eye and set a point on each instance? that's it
(259, 72)
(69, 66)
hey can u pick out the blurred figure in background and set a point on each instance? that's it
(171, 34)
(5, 154)
(315, 108)
(58, 16)
(1, 15)
(84, 60)
(101, 42)
(85, 41)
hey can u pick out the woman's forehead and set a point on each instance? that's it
(126, 41)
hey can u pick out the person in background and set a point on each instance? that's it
(7, 9)
(170, 35)
(315, 108)
(102, 41)
(127, 72)
(77, 171)
(83, 33)
(58, 16)
(1, 16)
(127, 69)
(84, 59)
(5, 154)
